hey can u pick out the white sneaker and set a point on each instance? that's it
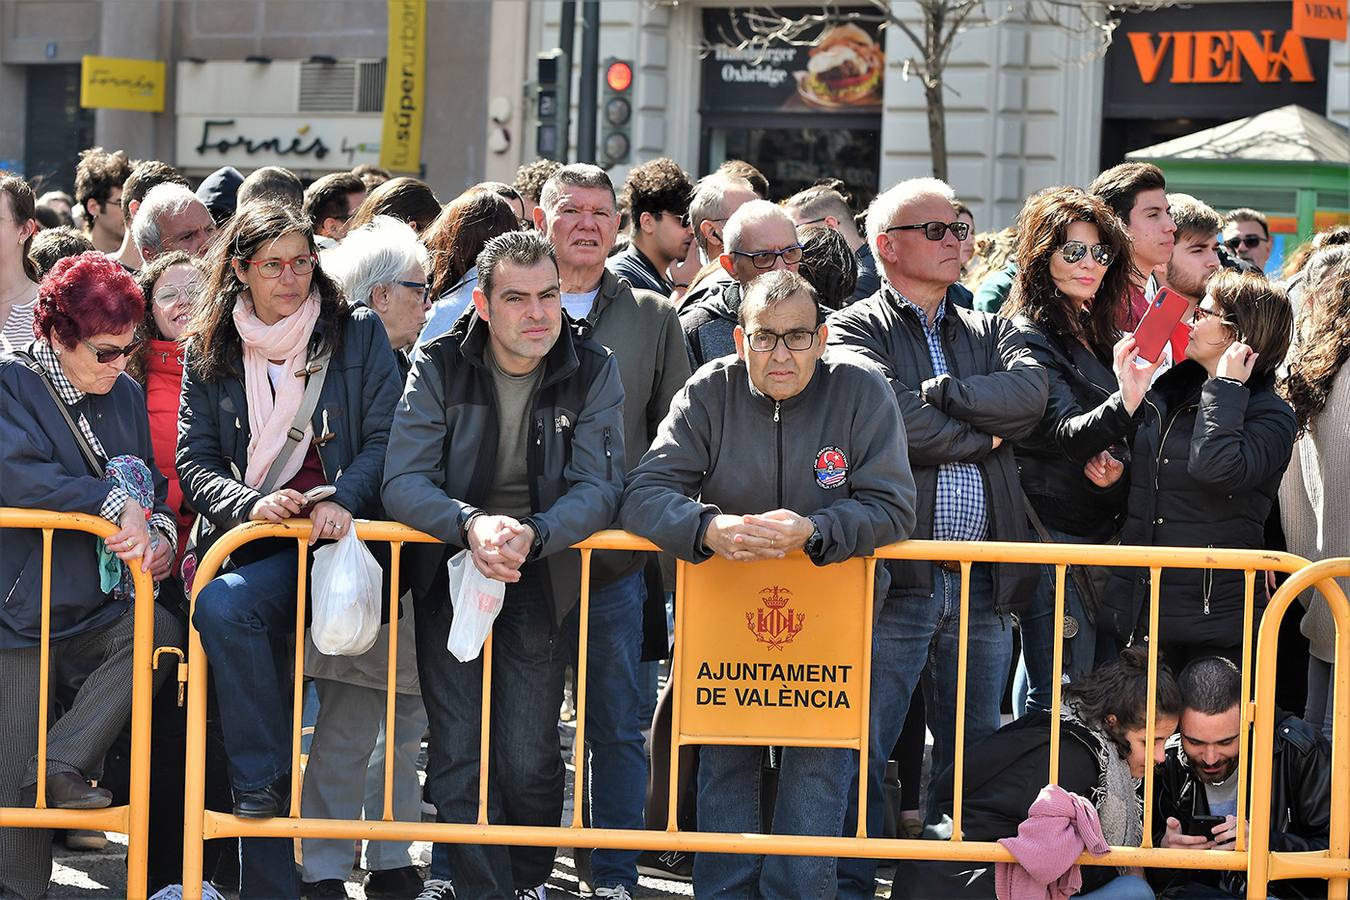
(618, 892)
(436, 889)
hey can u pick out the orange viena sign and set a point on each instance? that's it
(773, 650)
(1325, 19)
(1211, 57)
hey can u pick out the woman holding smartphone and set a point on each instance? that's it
(1212, 443)
(269, 324)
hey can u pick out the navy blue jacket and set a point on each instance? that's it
(41, 467)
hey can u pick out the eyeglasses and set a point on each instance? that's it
(111, 353)
(1202, 313)
(169, 296)
(417, 286)
(935, 231)
(812, 222)
(765, 259)
(300, 266)
(1073, 251)
(767, 341)
(1246, 240)
(683, 218)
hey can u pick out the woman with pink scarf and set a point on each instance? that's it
(268, 319)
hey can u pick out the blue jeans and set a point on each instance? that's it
(245, 618)
(525, 770)
(1122, 887)
(813, 785)
(916, 635)
(616, 760)
(1032, 684)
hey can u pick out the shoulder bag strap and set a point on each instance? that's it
(318, 369)
(90, 457)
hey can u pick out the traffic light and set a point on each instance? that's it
(551, 106)
(617, 145)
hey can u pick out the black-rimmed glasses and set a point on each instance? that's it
(421, 286)
(936, 231)
(767, 341)
(765, 259)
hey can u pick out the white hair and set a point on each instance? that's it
(881, 214)
(751, 213)
(710, 193)
(168, 199)
(377, 253)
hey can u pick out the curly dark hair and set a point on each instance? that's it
(461, 232)
(1324, 345)
(658, 186)
(530, 178)
(214, 350)
(1119, 690)
(1043, 227)
(828, 264)
(98, 172)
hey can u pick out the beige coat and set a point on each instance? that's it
(1315, 505)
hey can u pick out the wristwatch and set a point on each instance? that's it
(814, 542)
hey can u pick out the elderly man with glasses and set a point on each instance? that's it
(759, 237)
(967, 389)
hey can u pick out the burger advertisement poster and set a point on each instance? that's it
(837, 66)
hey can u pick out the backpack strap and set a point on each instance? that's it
(87, 451)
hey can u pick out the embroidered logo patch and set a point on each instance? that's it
(831, 467)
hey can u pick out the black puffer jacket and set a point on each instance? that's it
(1206, 465)
(1300, 806)
(1084, 415)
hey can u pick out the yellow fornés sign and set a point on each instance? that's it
(773, 650)
(110, 82)
(404, 86)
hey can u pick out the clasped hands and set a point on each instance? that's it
(499, 546)
(770, 535)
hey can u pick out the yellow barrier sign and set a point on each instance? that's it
(404, 86)
(773, 650)
(109, 82)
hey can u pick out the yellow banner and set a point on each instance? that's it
(404, 86)
(773, 651)
(109, 82)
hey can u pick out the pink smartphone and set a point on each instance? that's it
(1159, 321)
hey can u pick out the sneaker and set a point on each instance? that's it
(672, 865)
(617, 892)
(581, 859)
(396, 884)
(323, 890)
(436, 889)
(535, 893)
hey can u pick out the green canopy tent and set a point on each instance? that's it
(1290, 163)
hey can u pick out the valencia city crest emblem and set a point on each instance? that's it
(775, 624)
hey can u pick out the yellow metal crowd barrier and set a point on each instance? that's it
(770, 623)
(133, 819)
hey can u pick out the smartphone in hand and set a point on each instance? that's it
(1160, 320)
(322, 492)
(1201, 826)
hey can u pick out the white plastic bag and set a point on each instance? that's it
(476, 600)
(346, 597)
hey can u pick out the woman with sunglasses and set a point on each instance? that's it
(1072, 278)
(1212, 442)
(75, 439)
(269, 321)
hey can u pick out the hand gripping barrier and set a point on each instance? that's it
(724, 608)
(133, 819)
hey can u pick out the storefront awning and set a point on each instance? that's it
(1289, 134)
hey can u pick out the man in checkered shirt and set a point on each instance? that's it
(967, 390)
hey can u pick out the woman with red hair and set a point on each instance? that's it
(76, 439)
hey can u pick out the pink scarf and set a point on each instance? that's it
(270, 417)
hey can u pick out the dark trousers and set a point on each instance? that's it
(525, 770)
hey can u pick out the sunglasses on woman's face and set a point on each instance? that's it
(106, 355)
(1073, 251)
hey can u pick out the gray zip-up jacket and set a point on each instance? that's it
(835, 451)
(442, 452)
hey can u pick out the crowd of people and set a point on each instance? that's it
(524, 365)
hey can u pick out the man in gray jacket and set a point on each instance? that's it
(508, 442)
(763, 454)
(966, 385)
(578, 213)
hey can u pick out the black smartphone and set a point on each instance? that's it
(1202, 826)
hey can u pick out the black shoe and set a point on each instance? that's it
(66, 790)
(672, 865)
(329, 887)
(398, 884)
(266, 802)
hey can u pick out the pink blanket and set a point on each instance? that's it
(1058, 827)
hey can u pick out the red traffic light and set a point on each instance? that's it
(619, 76)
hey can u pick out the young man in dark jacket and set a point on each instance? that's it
(835, 483)
(1199, 778)
(965, 384)
(508, 442)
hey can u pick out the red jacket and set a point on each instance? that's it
(163, 385)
